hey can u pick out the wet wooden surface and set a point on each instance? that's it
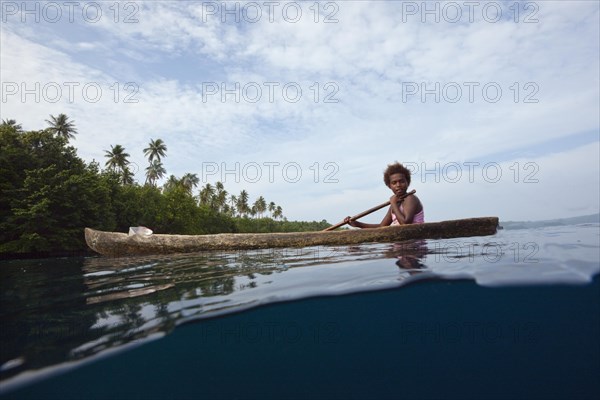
(120, 244)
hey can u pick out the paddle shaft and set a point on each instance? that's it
(369, 211)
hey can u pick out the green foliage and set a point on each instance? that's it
(62, 127)
(54, 206)
(136, 205)
(14, 161)
(265, 225)
(180, 213)
(214, 222)
(48, 195)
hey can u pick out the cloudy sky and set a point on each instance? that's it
(493, 105)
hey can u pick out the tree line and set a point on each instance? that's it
(48, 195)
(213, 196)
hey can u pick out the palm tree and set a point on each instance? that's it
(278, 212)
(242, 203)
(127, 177)
(220, 196)
(189, 182)
(272, 208)
(207, 195)
(11, 123)
(233, 201)
(118, 163)
(154, 172)
(62, 127)
(171, 183)
(156, 149)
(117, 158)
(260, 205)
(226, 209)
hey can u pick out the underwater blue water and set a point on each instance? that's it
(512, 315)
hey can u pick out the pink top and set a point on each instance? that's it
(419, 217)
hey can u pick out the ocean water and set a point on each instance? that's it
(512, 315)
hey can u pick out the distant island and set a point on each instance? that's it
(583, 219)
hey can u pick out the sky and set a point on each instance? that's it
(493, 105)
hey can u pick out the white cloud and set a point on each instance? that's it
(368, 57)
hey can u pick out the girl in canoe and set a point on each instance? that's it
(402, 211)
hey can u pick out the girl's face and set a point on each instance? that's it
(398, 184)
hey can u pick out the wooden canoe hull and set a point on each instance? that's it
(116, 244)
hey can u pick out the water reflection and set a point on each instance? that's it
(43, 313)
(410, 255)
(63, 310)
(53, 311)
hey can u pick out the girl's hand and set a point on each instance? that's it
(350, 222)
(395, 199)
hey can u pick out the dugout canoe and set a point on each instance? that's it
(117, 244)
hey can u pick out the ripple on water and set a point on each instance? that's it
(81, 308)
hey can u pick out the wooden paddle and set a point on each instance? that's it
(369, 211)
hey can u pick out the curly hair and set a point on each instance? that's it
(395, 168)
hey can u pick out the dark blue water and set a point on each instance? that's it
(429, 340)
(513, 315)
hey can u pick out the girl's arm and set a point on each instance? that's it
(395, 208)
(411, 206)
(387, 220)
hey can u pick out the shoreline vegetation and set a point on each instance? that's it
(48, 195)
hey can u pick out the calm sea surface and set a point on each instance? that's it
(512, 315)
